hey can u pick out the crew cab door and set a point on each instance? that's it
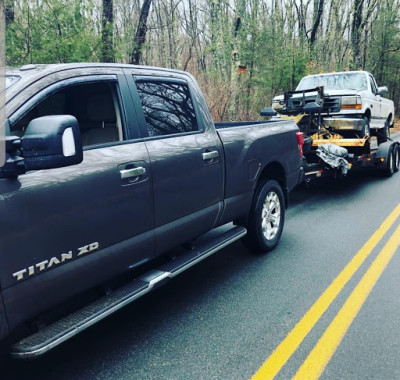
(186, 158)
(68, 229)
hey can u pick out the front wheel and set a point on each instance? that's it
(266, 218)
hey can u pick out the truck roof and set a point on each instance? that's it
(19, 78)
(340, 73)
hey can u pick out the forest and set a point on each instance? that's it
(242, 52)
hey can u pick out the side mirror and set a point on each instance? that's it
(312, 108)
(382, 90)
(52, 142)
(267, 111)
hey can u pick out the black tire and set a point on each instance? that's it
(383, 134)
(389, 169)
(4, 354)
(266, 218)
(396, 158)
(366, 130)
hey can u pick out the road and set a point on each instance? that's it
(225, 317)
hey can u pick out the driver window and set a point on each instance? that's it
(373, 86)
(95, 105)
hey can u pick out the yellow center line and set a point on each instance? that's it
(321, 354)
(292, 341)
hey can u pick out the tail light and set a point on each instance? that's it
(300, 142)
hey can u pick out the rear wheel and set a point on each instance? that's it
(266, 219)
(383, 134)
(389, 169)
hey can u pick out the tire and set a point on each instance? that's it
(366, 130)
(389, 170)
(396, 158)
(266, 218)
(383, 134)
(4, 354)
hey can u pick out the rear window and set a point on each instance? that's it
(168, 107)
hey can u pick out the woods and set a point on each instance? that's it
(242, 52)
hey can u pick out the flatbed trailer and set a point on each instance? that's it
(362, 153)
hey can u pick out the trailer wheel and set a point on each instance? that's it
(365, 130)
(266, 218)
(396, 158)
(383, 134)
(389, 170)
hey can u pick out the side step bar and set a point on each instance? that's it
(71, 325)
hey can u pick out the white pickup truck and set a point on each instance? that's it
(350, 101)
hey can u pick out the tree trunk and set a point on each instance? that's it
(356, 34)
(235, 63)
(107, 27)
(360, 21)
(140, 36)
(318, 9)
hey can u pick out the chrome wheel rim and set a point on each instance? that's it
(271, 216)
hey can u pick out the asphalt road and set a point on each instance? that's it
(223, 318)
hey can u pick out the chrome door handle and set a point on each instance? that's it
(134, 172)
(210, 155)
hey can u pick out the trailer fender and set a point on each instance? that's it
(385, 158)
(382, 154)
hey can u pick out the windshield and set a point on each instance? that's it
(349, 81)
(11, 79)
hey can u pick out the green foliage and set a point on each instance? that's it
(272, 41)
(51, 31)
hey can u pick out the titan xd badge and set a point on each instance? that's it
(54, 261)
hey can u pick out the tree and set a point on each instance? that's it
(107, 27)
(140, 35)
(360, 20)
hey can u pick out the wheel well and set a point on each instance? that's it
(368, 114)
(275, 170)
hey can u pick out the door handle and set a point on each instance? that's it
(134, 172)
(210, 155)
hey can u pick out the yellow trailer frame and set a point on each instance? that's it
(325, 137)
(321, 138)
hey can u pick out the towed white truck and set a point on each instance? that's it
(338, 113)
(351, 101)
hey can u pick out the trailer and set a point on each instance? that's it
(327, 153)
(322, 157)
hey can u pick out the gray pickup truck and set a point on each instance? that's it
(116, 179)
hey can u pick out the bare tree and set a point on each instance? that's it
(360, 19)
(140, 35)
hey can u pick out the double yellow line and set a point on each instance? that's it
(319, 357)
